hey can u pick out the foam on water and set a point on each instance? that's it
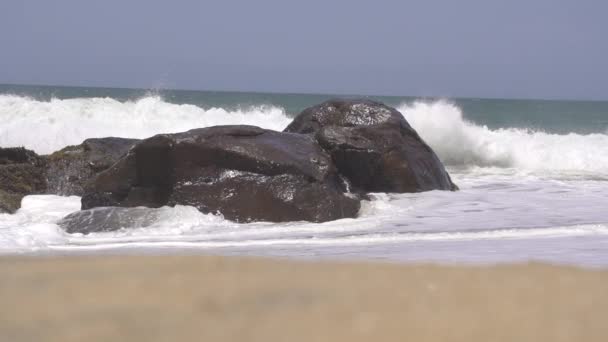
(487, 211)
(47, 126)
(34, 226)
(459, 142)
(524, 194)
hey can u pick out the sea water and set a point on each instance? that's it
(533, 178)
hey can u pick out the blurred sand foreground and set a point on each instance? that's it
(170, 298)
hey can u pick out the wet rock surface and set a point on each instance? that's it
(317, 170)
(108, 219)
(69, 169)
(373, 146)
(22, 172)
(243, 172)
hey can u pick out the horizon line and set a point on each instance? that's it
(437, 97)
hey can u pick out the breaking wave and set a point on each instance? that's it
(47, 126)
(459, 142)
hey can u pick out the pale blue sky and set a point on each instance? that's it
(516, 48)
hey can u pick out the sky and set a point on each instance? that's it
(467, 48)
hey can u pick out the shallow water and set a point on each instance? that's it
(488, 220)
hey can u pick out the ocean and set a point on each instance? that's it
(533, 178)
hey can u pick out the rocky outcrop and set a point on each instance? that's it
(22, 172)
(373, 146)
(243, 172)
(72, 167)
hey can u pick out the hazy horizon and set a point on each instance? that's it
(471, 49)
(246, 91)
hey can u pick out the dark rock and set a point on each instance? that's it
(19, 155)
(108, 219)
(72, 167)
(373, 146)
(243, 172)
(22, 172)
(9, 202)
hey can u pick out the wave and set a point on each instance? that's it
(47, 126)
(459, 142)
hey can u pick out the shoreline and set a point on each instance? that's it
(159, 298)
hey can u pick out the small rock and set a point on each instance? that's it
(22, 173)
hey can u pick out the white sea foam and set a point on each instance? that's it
(46, 126)
(485, 209)
(498, 215)
(459, 142)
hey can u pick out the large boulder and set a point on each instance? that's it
(22, 172)
(72, 167)
(243, 172)
(373, 146)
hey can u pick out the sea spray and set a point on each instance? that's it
(459, 142)
(47, 126)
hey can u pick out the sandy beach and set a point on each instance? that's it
(205, 298)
